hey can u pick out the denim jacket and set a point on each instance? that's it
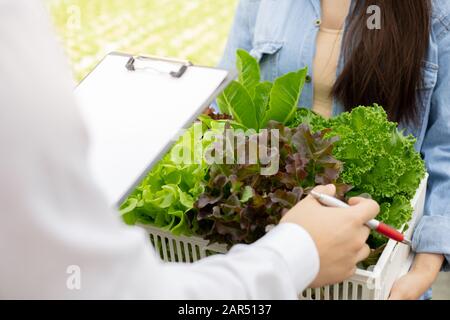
(282, 34)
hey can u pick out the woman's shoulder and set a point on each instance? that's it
(441, 7)
(441, 18)
(251, 5)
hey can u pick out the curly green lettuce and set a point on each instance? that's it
(378, 159)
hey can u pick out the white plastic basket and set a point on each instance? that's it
(375, 284)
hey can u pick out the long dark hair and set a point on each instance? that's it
(384, 65)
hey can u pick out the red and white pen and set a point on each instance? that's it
(375, 225)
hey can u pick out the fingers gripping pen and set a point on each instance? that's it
(373, 224)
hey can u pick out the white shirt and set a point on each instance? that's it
(54, 217)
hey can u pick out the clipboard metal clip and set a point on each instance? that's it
(160, 65)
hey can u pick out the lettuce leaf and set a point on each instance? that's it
(239, 203)
(238, 102)
(261, 100)
(249, 71)
(252, 103)
(284, 97)
(166, 196)
(378, 158)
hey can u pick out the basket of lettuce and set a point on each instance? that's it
(234, 188)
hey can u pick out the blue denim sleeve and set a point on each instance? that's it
(432, 234)
(241, 35)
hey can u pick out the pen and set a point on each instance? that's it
(373, 224)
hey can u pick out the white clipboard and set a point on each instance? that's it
(135, 108)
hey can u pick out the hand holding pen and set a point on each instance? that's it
(373, 224)
(340, 235)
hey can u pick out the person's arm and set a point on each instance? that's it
(59, 239)
(418, 280)
(54, 220)
(431, 238)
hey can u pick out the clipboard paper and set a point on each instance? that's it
(134, 116)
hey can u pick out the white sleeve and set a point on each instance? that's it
(58, 238)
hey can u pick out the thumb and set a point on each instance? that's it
(328, 189)
(366, 209)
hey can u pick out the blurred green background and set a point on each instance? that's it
(188, 29)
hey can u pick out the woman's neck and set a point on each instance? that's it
(334, 13)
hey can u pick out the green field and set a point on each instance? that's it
(186, 29)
